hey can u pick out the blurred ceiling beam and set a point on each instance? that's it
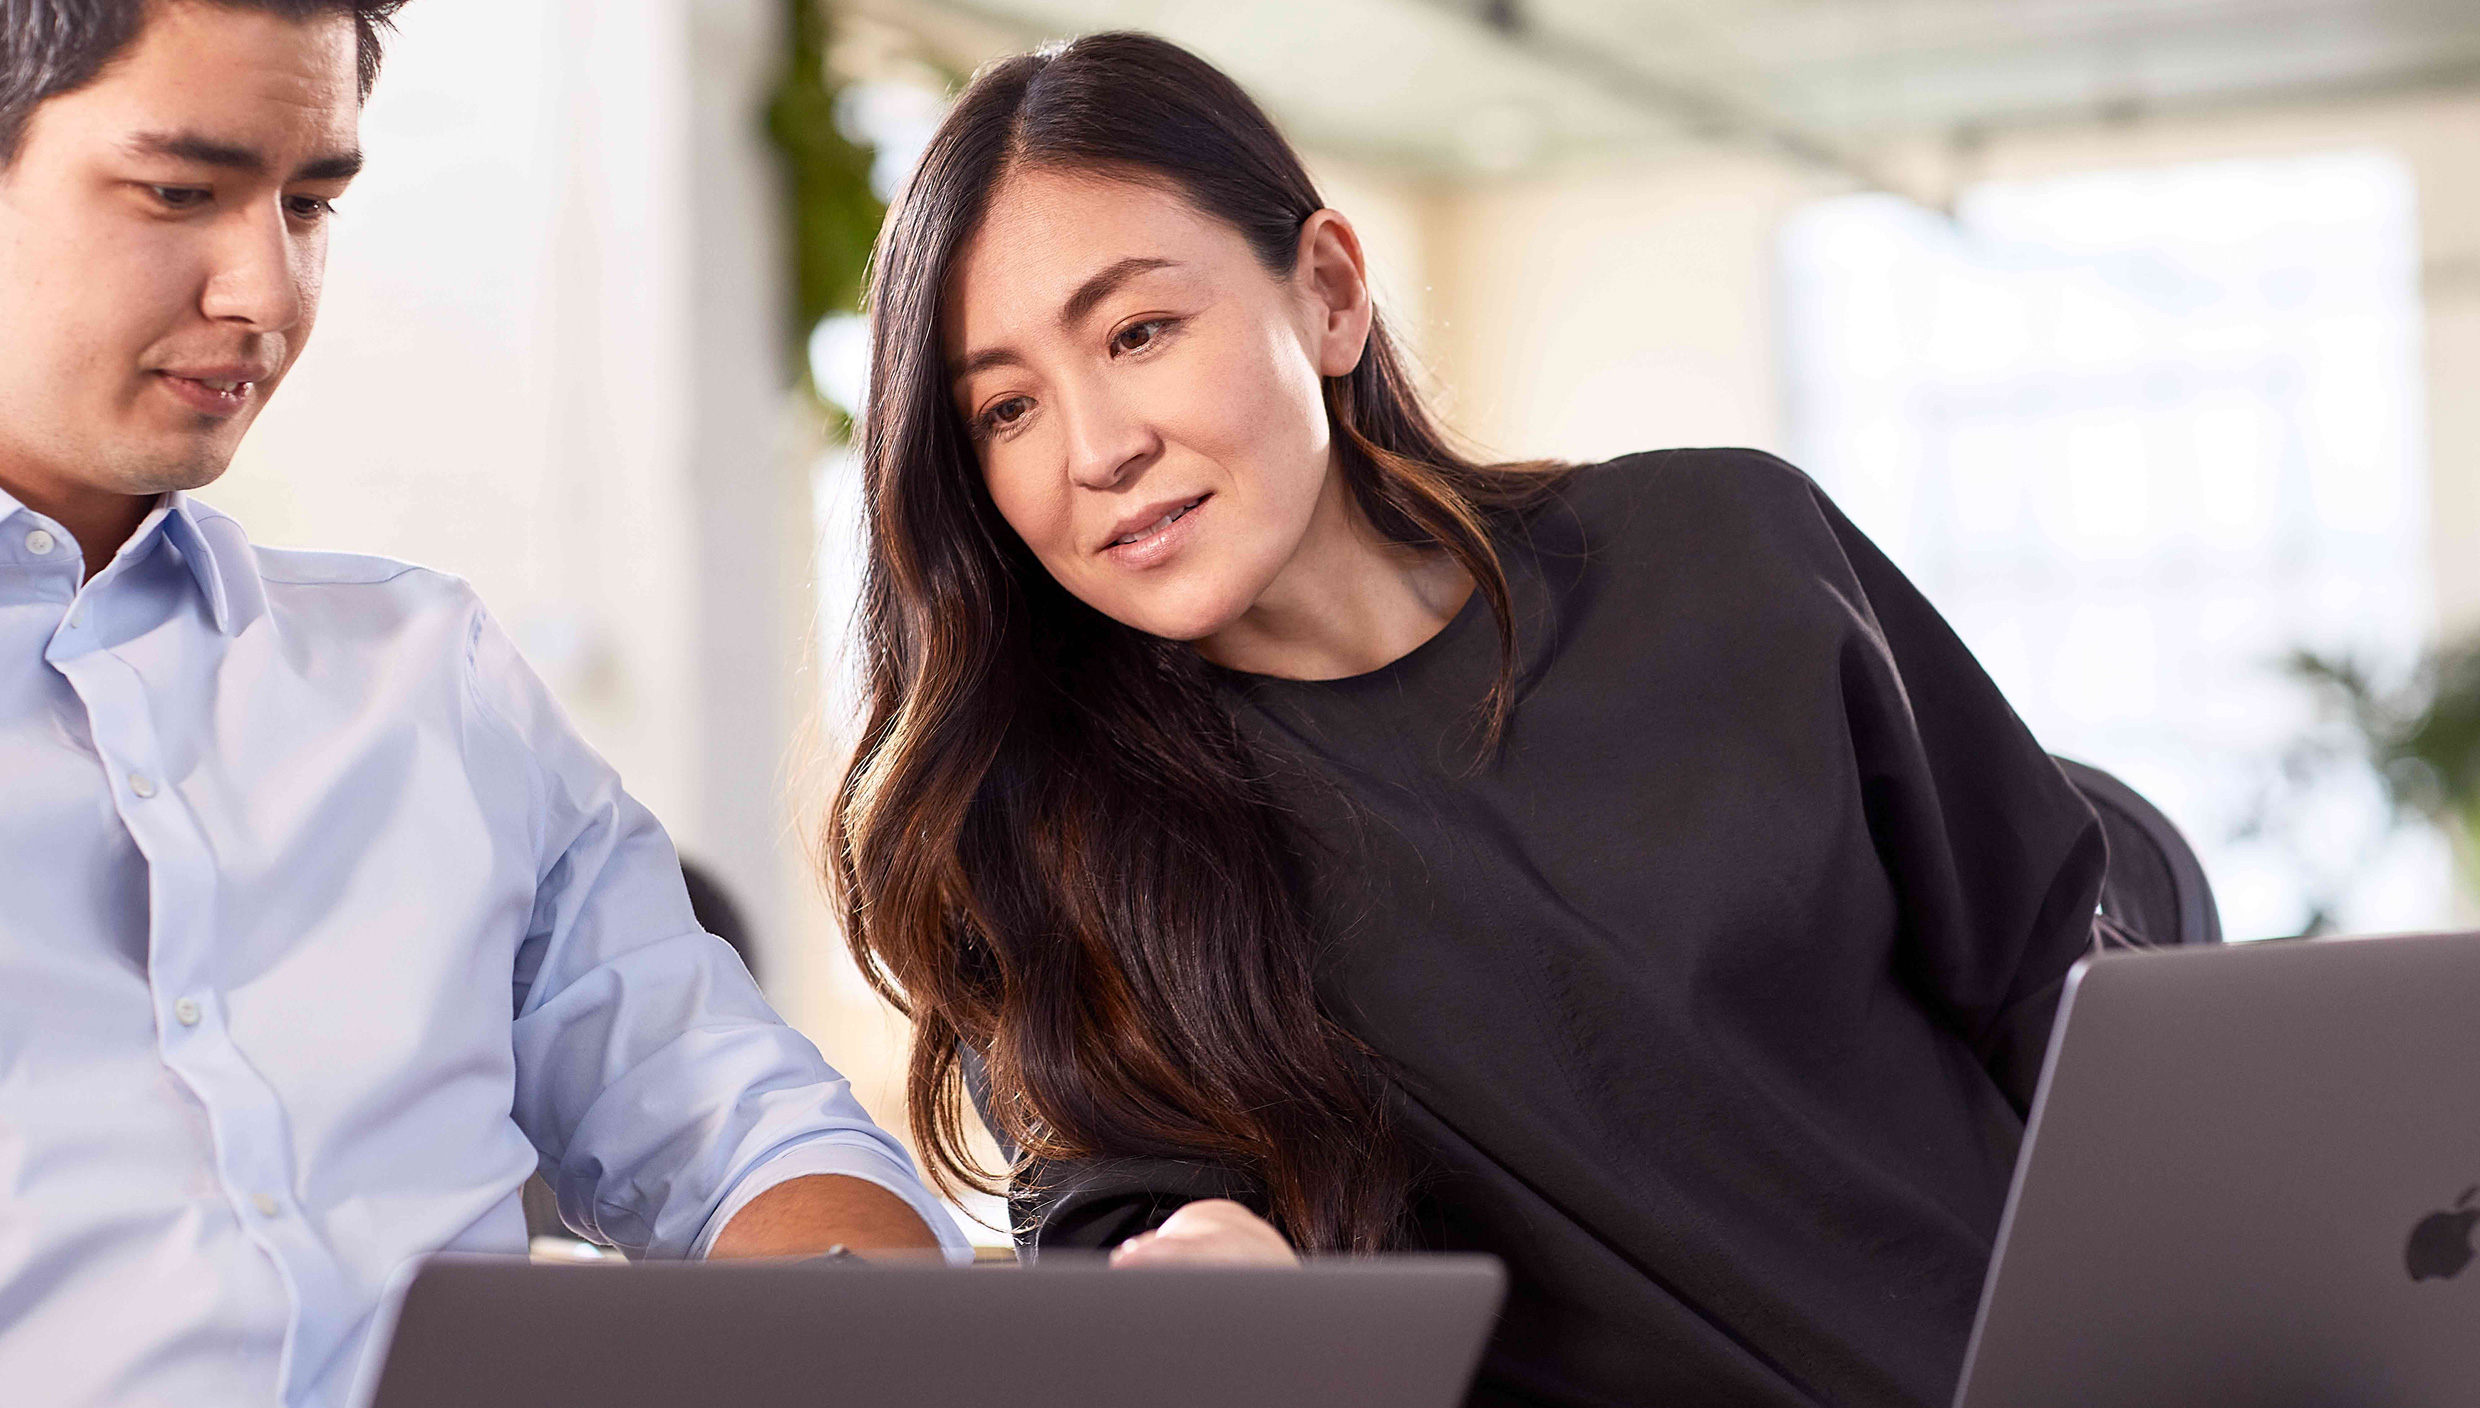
(1892, 95)
(1877, 70)
(1702, 110)
(1663, 103)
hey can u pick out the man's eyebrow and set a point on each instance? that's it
(200, 151)
(335, 166)
(1101, 286)
(207, 151)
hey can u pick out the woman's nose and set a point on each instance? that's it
(1106, 444)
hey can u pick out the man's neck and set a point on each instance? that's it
(99, 519)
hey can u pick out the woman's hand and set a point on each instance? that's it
(1217, 1232)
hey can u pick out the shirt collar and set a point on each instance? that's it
(180, 524)
(175, 516)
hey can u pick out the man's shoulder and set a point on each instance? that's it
(347, 596)
(314, 568)
(364, 598)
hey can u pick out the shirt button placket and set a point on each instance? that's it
(254, 1162)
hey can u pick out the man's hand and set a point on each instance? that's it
(1216, 1232)
(809, 1216)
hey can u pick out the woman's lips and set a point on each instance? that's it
(1158, 541)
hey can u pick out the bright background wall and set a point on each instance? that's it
(554, 358)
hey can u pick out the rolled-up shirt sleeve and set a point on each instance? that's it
(662, 1091)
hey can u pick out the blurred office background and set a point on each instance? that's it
(2144, 333)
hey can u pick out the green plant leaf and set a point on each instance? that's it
(833, 213)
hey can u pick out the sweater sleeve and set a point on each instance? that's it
(1096, 1205)
(1996, 859)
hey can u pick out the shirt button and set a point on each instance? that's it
(266, 1204)
(141, 784)
(186, 1011)
(41, 543)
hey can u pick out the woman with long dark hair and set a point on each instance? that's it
(1295, 835)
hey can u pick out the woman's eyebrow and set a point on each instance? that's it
(1101, 286)
(1072, 312)
(983, 361)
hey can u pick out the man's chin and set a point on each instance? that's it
(194, 465)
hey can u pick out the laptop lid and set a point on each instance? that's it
(2249, 1179)
(1372, 1333)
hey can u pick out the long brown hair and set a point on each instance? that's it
(1053, 847)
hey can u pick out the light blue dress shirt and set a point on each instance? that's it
(320, 929)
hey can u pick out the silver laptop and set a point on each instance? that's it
(2251, 1181)
(1376, 1333)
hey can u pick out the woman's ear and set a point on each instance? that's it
(1334, 285)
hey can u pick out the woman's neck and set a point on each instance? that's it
(1347, 603)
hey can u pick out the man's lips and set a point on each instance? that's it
(214, 391)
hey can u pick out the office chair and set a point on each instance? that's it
(717, 914)
(2154, 894)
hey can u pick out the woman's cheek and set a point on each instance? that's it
(1033, 505)
(1253, 404)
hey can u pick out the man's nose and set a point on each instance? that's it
(256, 276)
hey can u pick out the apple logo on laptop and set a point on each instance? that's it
(2441, 1245)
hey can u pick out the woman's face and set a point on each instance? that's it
(1145, 398)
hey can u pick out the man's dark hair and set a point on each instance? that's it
(51, 47)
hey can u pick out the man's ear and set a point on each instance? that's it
(1334, 283)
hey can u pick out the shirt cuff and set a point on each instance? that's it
(866, 1162)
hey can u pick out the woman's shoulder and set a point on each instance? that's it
(1727, 509)
(1742, 479)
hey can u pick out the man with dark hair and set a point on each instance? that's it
(51, 47)
(320, 930)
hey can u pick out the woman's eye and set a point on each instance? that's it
(1007, 413)
(1138, 337)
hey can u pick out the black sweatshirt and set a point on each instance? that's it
(1712, 1004)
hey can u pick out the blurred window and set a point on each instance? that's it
(2139, 435)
